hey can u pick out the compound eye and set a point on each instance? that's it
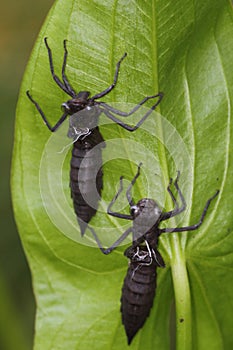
(134, 210)
(65, 107)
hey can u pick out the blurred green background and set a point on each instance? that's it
(19, 26)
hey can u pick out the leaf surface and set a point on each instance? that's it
(185, 50)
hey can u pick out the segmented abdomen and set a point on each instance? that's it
(86, 176)
(137, 296)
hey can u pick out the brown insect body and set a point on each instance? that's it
(86, 176)
(138, 291)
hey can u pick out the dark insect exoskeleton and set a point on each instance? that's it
(139, 287)
(84, 112)
(140, 282)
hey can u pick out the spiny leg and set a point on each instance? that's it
(111, 87)
(195, 226)
(177, 210)
(126, 126)
(114, 245)
(171, 193)
(128, 192)
(115, 214)
(64, 77)
(180, 193)
(55, 77)
(51, 128)
(133, 110)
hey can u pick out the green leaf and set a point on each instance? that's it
(184, 49)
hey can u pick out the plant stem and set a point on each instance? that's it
(182, 297)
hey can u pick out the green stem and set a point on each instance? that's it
(182, 297)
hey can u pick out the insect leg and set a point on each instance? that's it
(128, 192)
(126, 126)
(171, 193)
(195, 226)
(126, 114)
(107, 251)
(115, 214)
(111, 87)
(177, 209)
(51, 128)
(55, 77)
(64, 77)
